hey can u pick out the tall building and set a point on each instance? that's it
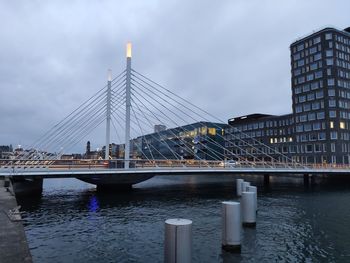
(318, 129)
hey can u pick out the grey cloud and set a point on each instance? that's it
(229, 57)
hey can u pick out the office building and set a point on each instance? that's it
(317, 131)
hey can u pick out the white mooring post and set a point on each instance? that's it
(239, 183)
(231, 226)
(128, 106)
(244, 186)
(248, 209)
(108, 114)
(178, 241)
(255, 191)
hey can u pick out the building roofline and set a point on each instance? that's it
(256, 116)
(314, 32)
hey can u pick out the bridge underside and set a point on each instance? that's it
(120, 182)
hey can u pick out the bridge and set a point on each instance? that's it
(186, 140)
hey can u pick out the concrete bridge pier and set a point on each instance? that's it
(266, 181)
(306, 180)
(27, 186)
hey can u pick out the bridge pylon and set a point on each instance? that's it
(128, 106)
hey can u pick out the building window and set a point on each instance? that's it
(308, 148)
(307, 107)
(322, 136)
(332, 103)
(331, 92)
(313, 50)
(328, 36)
(317, 40)
(318, 148)
(329, 53)
(298, 109)
(319, 94)
(317, 56)
(333, 147)
(301, 62)
(331, 124)
(314, 85)
(302, 98)
(315, 105)
(316, 126)
(320, 115)
(334, 135)
(332, 114)
(342, 125)
(318, 74)
(329, 61)
(307, 127)
(330, 82)
(310, 77)
(300, 47)
(303, 118)
(313, 66)
(306, 87)
(312, 116)
(313, 137)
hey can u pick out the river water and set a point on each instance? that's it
(72, 222)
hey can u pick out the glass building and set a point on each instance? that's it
(198, 141)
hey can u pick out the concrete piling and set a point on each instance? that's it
(239, 183)
(255, 191)
(178, 241)
(248, 209)
(245, 186)
(231, 226)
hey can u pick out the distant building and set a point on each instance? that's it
(5, 152)
(92, 154)
(318, 129)
(201, 140)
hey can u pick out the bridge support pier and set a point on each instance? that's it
(306, 180)
(26, 187)
(266, 180)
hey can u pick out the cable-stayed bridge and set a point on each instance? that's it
(187, 140)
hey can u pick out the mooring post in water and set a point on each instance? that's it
(248, 209)
(254, 190)
(231, 226)
(245, 186)
(239, 183)
(178, 241)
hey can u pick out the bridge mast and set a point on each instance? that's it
(128, 105)
(108, 113)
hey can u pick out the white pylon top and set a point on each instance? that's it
(128, 50)
(109, 76)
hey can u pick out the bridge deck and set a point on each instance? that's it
(66, 173)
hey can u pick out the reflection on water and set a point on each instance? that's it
(74, 223)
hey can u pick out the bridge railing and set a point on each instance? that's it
(20, 165)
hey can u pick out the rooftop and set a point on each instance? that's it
(315, 32)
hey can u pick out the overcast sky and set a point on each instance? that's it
(228, 57)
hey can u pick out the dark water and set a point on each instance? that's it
(74, 223)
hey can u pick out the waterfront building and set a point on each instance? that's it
(200, 140)
(318, 129)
